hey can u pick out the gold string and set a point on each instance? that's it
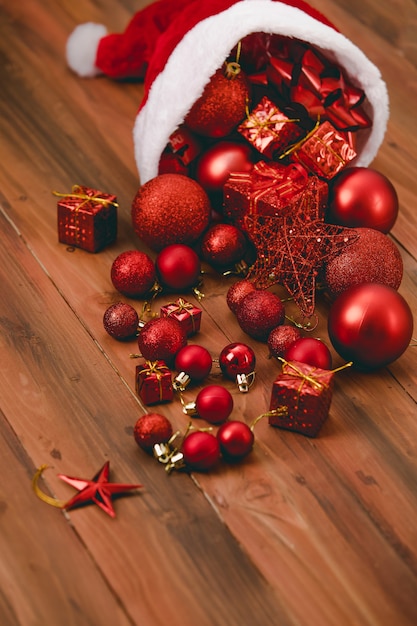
(60, 504)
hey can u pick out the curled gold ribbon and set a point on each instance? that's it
(59, 504)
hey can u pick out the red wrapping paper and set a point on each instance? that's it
(188, 315)
(87, 218)
(153, 382)
(184, 145)
(301, 396)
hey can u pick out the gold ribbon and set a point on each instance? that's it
(158, 370)
(59, 504)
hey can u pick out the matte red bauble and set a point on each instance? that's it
(280, 339)
(223, 245)
(121, 321)
(237, 292)
(195, 361)
(259, 313)
(372, 258)
(178, 267)
(170, 208)
(215, 165)
(363, 197)
(133, 273)
(214, 404)
(236, 440)
(309, 350)
(161, 338)
(371, 325)
(151, 429)
(237, 358)
(201, 451)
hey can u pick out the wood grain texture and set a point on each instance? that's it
(304, 531)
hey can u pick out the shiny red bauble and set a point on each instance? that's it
(259, 313)
(215, 165)
(310, 350)
(281, 338)
(223, 245)
(236, 440)
(178, 267)
(170, 208)
(214, 403)
(201, 451)
(371, 325)
(161, 338)
(237, 358)
(121, 321)
(237, 292)
(150, 429)
(195, 361)
(363, 197)
(133, 273)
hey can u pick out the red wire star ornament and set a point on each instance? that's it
(292, 248)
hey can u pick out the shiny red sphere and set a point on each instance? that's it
(214, 403)
(236, 440)
(161, 338)
(371, 325)
(363, 197)
(150, 429)
(178, 267)
(133, 273)
(201, 451)
(223, 245)
(215, 165)
(195, 361)
(237, 358)
(309, 350)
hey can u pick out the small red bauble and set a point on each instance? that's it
(178, 267)
(259, 313)
(133, 273)
(223, 245)
(201, 451)
(309, 350)
(236, 440)
(170, 208)
(195, 361)
(151, 429)
(237, 358)
(371, 325)
(361, 196)
(281, 338)
(215, 165)
(237, 292)
(161, 338)
(214, 404)
(121, 321)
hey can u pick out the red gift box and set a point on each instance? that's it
(184, 145)
(188, 315)
(301, 398)
(87, 218)
(154, 382)
(269, 130)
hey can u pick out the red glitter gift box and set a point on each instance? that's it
(154, 382)
(188, 315)
(301, 398)
(87, 218)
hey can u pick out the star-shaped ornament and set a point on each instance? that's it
(292, 248)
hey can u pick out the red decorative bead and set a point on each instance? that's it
(150, 429)
(178, 267)
(311, 351)
(237, 358)
(195, 361)
(223, 245)
(236, 440)
(121, 321)
(237, 292)
(133, 273)
(161, 338)
(214, 403)
(259, 313)
(201, 451)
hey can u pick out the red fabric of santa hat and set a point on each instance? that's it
(177, 45)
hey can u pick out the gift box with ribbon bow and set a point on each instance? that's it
(188, 315)
(153, 382)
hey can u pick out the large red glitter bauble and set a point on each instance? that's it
(371, 325)
(236, 440)
(195, 361)
(133, 273)
(201, 451)
(170, 208)
(237, 358)
(221, 107)
(259, 313)
(151, 429)
(373, 258)
(363, 197)
(121, 321)
(178, 267)
(161, 338)
(223, 245)
(214, 404)
(281, 338)
(310, 350)
(215, 165)
(237, 292)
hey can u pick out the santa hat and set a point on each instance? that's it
(177, 45)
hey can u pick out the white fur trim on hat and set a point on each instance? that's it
(82, 47)
(204, 48)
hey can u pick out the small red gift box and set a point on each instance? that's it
(87, 218)
(154, 382)
(269, 130)
(301, 398)
(188, 315)
(184, 145)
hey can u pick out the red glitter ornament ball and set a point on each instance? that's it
(170, 208)
(151, 429)
(223, 245)
(373, 258)
(201, 451)
(237, 358)
(310, 350)
(195, 361)
(281, 338)
(214, 404)
(215, 165)
(371, 325)
(133, 273)
(363, 197)
(236, 440)
(259, 313)
(178, 267)
(121, 321)
(237, 292)
(161, 338)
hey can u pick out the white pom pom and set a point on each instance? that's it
(82, 47)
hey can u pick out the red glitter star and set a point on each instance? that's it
(292, 248)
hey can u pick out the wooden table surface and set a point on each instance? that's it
(305, 531)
